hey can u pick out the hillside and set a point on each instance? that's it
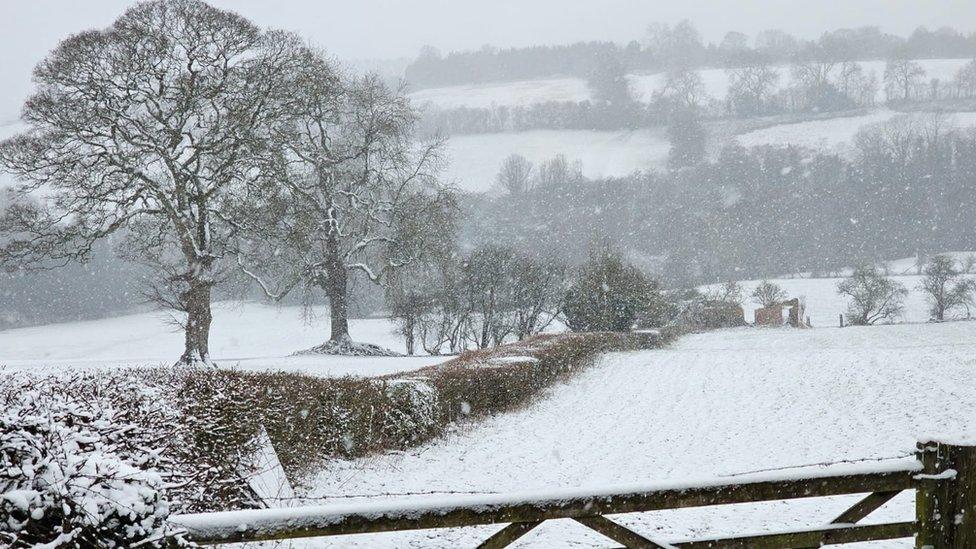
(714, 404)
(834, 134)
(824, 304)
(256, 336)
(643, 86)
(473, 160)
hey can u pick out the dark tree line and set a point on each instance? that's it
(453, 301)
(662, 45)
(548, 115)
(910, 188)
(756, 88)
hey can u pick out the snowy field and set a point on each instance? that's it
(715, 404)
(716, 81)
(512, 94)
(475, 159)
(710, 406)
(643, 86)
(247, 336)
(824, 304)
(828, 135)
(835, 134)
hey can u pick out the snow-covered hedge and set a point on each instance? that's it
(500, 379)
(76, 472)
(108, 455)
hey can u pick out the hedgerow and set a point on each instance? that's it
(165, 440)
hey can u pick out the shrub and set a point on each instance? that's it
(609, 295)
(768, 294)
(75, 473)
(873, 297)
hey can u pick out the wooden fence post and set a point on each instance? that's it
(945, 503)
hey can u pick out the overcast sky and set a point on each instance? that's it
(357, 29)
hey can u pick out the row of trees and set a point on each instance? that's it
(549, 115)
(208, 147)
(907, 188)
(873, 297)
(665, 46)
(756, 88)
(496, 294)
(453, 302)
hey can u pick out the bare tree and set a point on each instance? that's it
(488, 286)
(728, 292)
(558, 170)
(966, 79)
(515, 175)
(945, 286)
(149, 126)
(776, 42)
(751, 87)
(677, 46)
(537, 294)
(412, 295)
(902, 76)
(813, 82)
(352, 178)
(854, 83)
(683, 88)
(873, 297)
(813, 71)
(768, 294)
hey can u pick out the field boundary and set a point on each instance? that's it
(943, 476)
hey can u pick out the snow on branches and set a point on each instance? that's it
(74, 473)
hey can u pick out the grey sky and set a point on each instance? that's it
(392, 28)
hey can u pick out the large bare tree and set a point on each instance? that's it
(147, 128)
(354, 191)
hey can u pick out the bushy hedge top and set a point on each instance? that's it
(189, 436)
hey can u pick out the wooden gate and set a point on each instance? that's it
(943, 476)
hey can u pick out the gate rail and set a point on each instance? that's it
(944, 477)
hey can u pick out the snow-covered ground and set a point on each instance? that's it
(511, 94)
(835, 134)
(716, 81)
(247, 336)
(829, 135)
(643, 86)
(475, 159)
(824, 304)
(712, 405)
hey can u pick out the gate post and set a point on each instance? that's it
(945, 502)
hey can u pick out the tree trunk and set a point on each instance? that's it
(196, 300)
(336, 285)
(409, 335)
